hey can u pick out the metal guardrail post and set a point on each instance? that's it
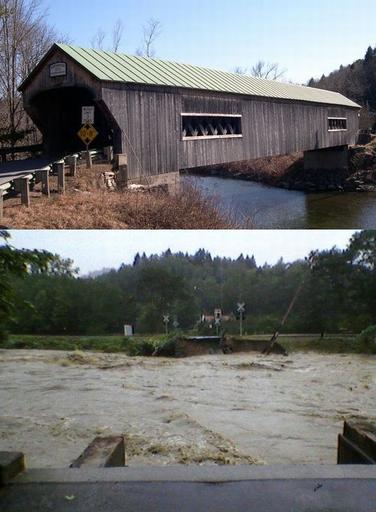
(1, 205)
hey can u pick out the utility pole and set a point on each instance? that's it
(312, 262)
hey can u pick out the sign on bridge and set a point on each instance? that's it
(87, 134)
(88, 114)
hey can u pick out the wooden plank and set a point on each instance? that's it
(25, 191)
(103, 452)
(11, 465)
(59, 169)
(72, 164)
(43, 176)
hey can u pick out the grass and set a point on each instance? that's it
(145, 345)
(88, 204)
(107, 344)
(330, 344)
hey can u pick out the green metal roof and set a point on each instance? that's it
(118, 67)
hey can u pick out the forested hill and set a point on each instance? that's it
(356, 81)
(338, 294)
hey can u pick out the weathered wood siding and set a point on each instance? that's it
(150, 122)
(76, 77)
(270, 127)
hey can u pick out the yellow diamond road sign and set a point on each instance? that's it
(87, 134)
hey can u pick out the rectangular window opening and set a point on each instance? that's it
(337, 124)
(211, 126)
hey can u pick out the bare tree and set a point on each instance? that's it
(24, 39)
(152, 30)
(240, 71)
(98, 39)
(117, 35)
(267, 70)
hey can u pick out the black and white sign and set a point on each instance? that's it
(58, 69)
(88, 115)
(241, 307)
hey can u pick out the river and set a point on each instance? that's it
(265, 207)
(239, 409)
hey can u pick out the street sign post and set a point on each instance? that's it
(241, 311)
(87, 134)
(166, 321)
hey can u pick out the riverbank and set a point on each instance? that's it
(89, 204)
(146, 345)
(287, 171)
(217, 409)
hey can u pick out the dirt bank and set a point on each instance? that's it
(88, 204)
(210, 409)
(288, 172)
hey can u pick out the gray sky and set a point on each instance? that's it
(94, 250)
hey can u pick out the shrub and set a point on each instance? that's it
(366, 340)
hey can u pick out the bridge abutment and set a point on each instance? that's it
(329, 159)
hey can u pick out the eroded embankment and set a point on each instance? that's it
(235, 409)
(288, 172)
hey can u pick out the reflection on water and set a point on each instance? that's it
(275, 208)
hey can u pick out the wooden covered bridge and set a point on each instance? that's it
(165, 117)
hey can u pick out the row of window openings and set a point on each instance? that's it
(222, 126)
(211, 126)
(337, 123)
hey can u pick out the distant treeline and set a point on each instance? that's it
(356, 81)
(339, 293)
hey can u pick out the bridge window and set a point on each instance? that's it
(211, 126)
(337, 124)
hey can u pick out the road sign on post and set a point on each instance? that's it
(88, 114)
(87, 134)
(241, 311)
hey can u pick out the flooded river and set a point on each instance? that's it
(240, 408)
(276, 208)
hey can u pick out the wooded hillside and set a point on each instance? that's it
(338, 294)
(356, 81)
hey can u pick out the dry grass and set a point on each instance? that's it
(269, 170)
(89, 205)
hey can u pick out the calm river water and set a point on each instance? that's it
(276, 208)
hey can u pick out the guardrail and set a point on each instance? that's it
(20, 181)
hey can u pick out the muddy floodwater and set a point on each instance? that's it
(234, 409)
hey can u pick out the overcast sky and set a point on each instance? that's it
(306, 37)
(94, 250)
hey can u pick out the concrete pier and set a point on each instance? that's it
(327, 159)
